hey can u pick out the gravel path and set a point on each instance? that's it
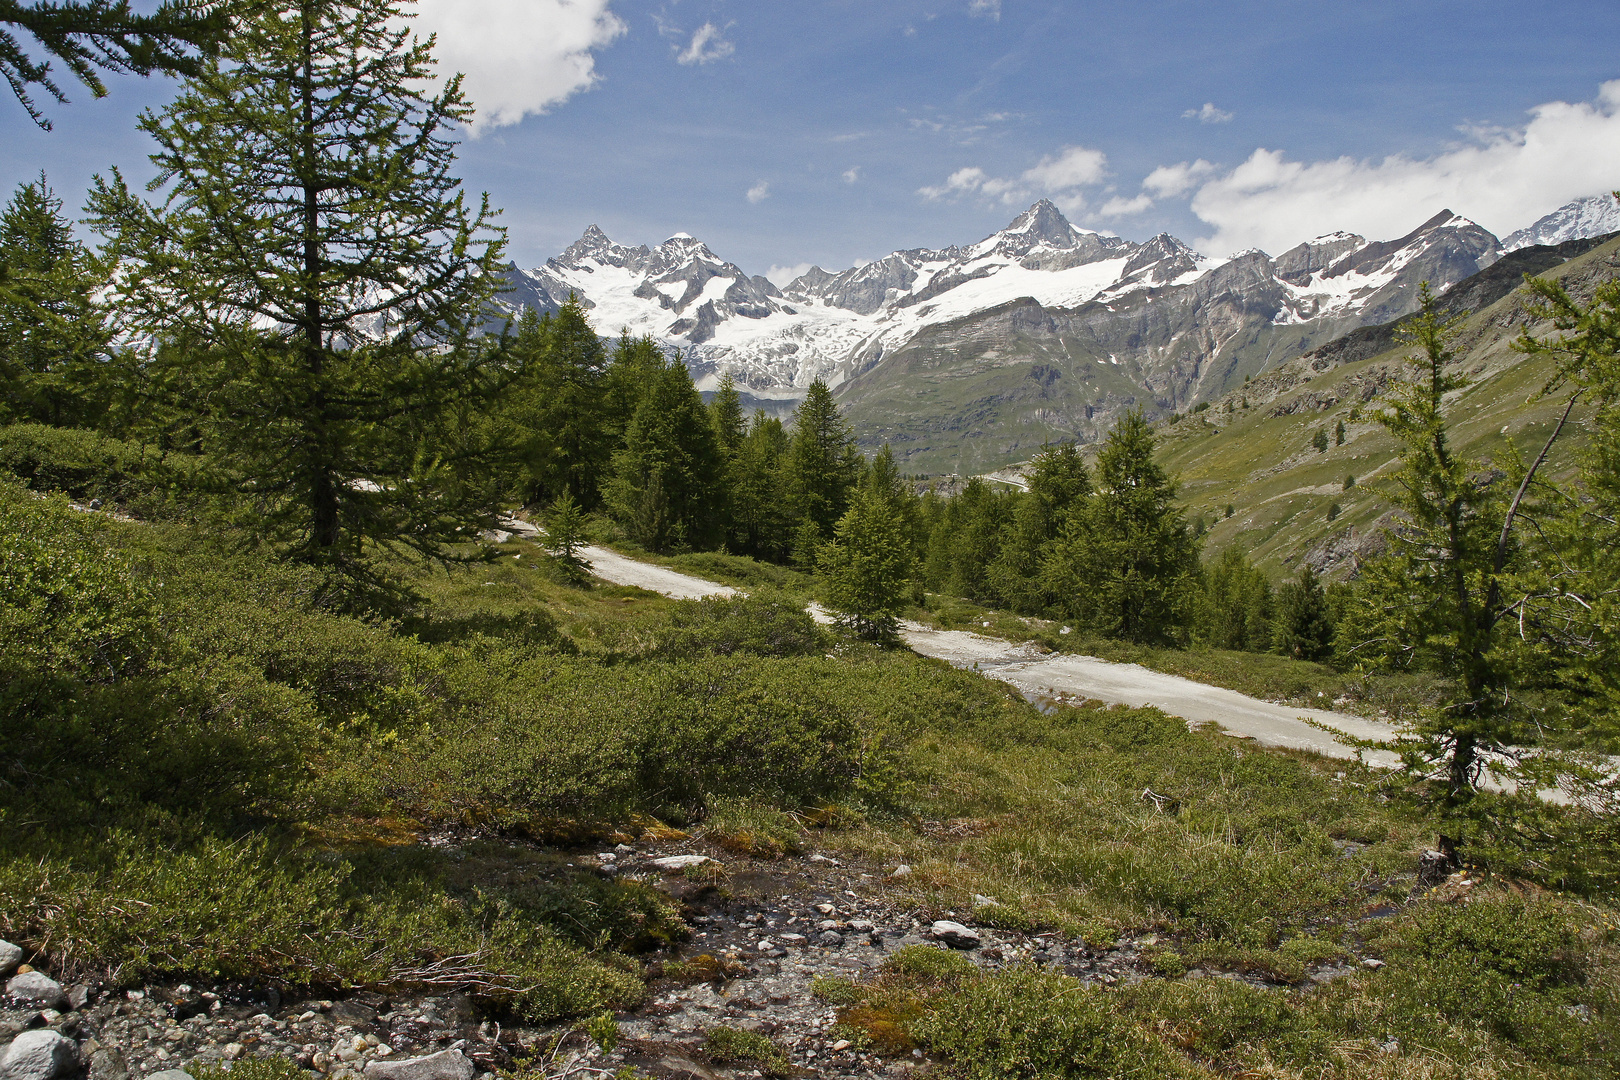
(1059, 676)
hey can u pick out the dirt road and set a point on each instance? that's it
(1036, 673)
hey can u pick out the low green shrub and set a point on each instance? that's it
(752, 828)
(1036, 1025)
(929, 963)
(767, 625)
(87, 465)
(728, 1045)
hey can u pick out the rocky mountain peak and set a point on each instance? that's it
(1595, 215)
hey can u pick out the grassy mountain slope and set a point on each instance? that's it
(1252, 449)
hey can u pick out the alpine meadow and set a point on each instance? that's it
(1059, 655)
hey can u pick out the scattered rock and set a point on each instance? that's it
(10, 956)
(37, 989)
(169, 1074)
(901, 871)
(39, 1055)
(680, 862)
(955, 934)
(445, 1065)
(1372, 964)
(78, 995)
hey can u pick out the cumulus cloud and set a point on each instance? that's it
(851, 175)
(989, 9)
(1208, 114)
(1119, 206)
(781, 275)
(1501, 178)
(706, 46)
(759, 192)
(1169, 181)
(520, 57)
(1059, 176)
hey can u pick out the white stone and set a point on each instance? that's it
(10, 956)
(901, 871)
(955, 934)
(680, 862)
(445, 1065)
(39, 1055)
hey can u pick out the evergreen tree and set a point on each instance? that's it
(566, 535)
(53, 337)
(1435, 600)
(823, 464)
(730, 427)
(866, 566)
(1058, 483)
(90, 36)
(1303, 627)
(559, 420)
(313, 240)
(666, 478)
(1234, 608)
(1122, 563)
(761, 525)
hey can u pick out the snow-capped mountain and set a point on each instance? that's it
(1595, 215)
(835, 326)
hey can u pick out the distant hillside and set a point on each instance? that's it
(1259, 459)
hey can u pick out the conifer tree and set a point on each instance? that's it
(1303, 625)
(867, 565)
(1121, 563)
(666, 478)
(53, 336)
(760, 521)
(823, 464)
(312, 238)
(90, 36)
(1058, 483)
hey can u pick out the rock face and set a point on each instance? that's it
(1595, 215)
(37, 989)
(39, 1055)
(969, 357)
(445, 1065)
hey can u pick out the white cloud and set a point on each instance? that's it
(781, 275)
(1074, 167)
(1504, 179)
(1168, 181)
(759, 192)
(520, 57)
(990, 9)
(851, 175)
(1058, 176)
(1119, 206)
(707, 46)
(1208, 114)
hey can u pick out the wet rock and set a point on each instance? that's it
(106, 1064)
(38, 990)
(680, 862)
(445, 1065)
(39, 1055)
(830, 938)
(955, 934)
(352, 1012)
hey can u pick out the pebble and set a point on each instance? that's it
(1371, 963)
(39, 1055)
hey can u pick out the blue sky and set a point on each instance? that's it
(830, 131)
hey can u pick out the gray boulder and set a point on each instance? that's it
(39, 1055)
(10, 956)
(169, 1074)
(445, 1065)
(37, 989)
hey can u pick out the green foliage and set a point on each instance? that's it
(666, 485)
(90, 36)
(757, 493)
(822, 465)
(566, 534)
(1319, 441)
(753, 828)
(1124, 559)
(928, 963)
(54, 338)
(867, 567)
(318, 316)
(1232, 608)
(250, 1068)
(1304, 626)
(729, 1044)
(761, 625)
(1037, 1025)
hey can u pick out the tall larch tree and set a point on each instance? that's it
(315, 251)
